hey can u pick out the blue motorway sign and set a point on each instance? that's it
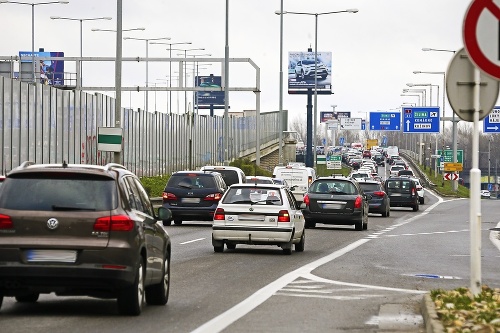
(363, 124)
(421, 119)
(385, 121)
(491, 123)
(341, 141)
(384, 141)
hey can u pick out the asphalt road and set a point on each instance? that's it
(345, 280)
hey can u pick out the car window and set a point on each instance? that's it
(367, 187)
(146, 203)
(46, 193)
(230, 176)
(255, 195)
(134, 197)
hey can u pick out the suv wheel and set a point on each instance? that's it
(131, 299)
(167, 222)
(310, 224)
(177, 221)
(358, 225)
(157, 294)
(28, 298)
(415, 208)
(299, 247)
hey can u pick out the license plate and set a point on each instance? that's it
(332, 206)
(66, 256)
(190, 200)
(396, 195)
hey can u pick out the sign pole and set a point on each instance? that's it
(475, 204)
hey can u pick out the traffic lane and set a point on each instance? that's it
(204, 284)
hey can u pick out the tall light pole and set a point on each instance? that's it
(123, 30)
(81, 35)
(33, 4)
(147, 62)
(316, 15)
(280, 106)
(185, 72)
(405, 93)
(196, 67)
(170, 65)
(454, 183)
(334, 130)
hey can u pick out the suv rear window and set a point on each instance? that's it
(328, 186)
(399, 186)
(75, 192)
(230, 176)
(369, 187)
(191, 181)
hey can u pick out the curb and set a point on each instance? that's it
(431, 321)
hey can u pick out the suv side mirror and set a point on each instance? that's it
(164, 214)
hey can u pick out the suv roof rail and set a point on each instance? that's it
(108, 166)
(26, 164)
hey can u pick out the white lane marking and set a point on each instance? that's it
(495, 237)
(231, 315)
(406, 319)
(192, 241)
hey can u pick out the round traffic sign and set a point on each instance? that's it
(460, 88)
(481, 35)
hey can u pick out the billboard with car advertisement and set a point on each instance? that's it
(51, 72)
(209, 97)
(301, 72)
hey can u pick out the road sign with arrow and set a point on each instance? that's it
(491, 123)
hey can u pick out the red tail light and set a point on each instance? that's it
(358, 202)
(219, 214)
(309, 179)
(6, 222)
(283, 216)
(114, 223)
(419, 188)
(213, 197)
(379, 194)
(168, 196)
(306, 200)
(413, 192)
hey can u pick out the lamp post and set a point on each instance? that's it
(196, 67)
(334, 130)
(32, 4)
(405, 93)
(454, 183)
(111, 30)
(170, 65)
(316, 15)
(185, 72)
(81, 35)
(147, 62)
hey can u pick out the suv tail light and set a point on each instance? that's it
(219, 214)
(114, 223)
(283, 216)
(306, 200)
(213, 197)
(379, 193)
(413, 192)
(6, 222)
(168, 196)
(358, 202)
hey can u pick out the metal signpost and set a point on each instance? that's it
(483, 51)
(385, 121)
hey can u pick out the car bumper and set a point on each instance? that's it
(337, 218)
(252, 235)
(195, 213)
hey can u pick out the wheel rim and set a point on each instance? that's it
(140, 285)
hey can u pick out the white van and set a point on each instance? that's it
(298, 178)
(232, 175)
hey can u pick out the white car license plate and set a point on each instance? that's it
(332, 206)
(190, 200)
(67, 256)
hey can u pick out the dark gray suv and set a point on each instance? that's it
(82, 230)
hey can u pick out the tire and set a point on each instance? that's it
(385, 213)
(218, 248)
(365, 225)
(231, 246)
(299, 247)
(287, 251)
(167, 222)
(1, 300)
(177, 221)
(302, 76)
(131, 299)
(28, 298)
(415, 208)
(358, 225)
(157, 294)
(310, 225)
(421, 200)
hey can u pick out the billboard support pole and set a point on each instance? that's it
(309, 153)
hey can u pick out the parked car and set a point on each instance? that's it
(379, 203)
(420, 190)
(485, 194)
(193, 195)
(338, 201)
(230, 174)
(304, 69)
(80, 230)
(402, 192)
(258, 214)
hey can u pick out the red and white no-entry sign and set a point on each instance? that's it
(451, 176)
(481, 35)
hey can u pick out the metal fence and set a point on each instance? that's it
(44, 124)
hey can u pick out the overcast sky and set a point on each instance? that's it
(374, 52)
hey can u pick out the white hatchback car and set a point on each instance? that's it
(420, 190)
(258, 214)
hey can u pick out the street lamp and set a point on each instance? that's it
(81, 35)
(170, 64)
(196, 68)
(454, 183)
(32, 4)
(185, 70)
(281, 12)
(147, 62)
(111, 30)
